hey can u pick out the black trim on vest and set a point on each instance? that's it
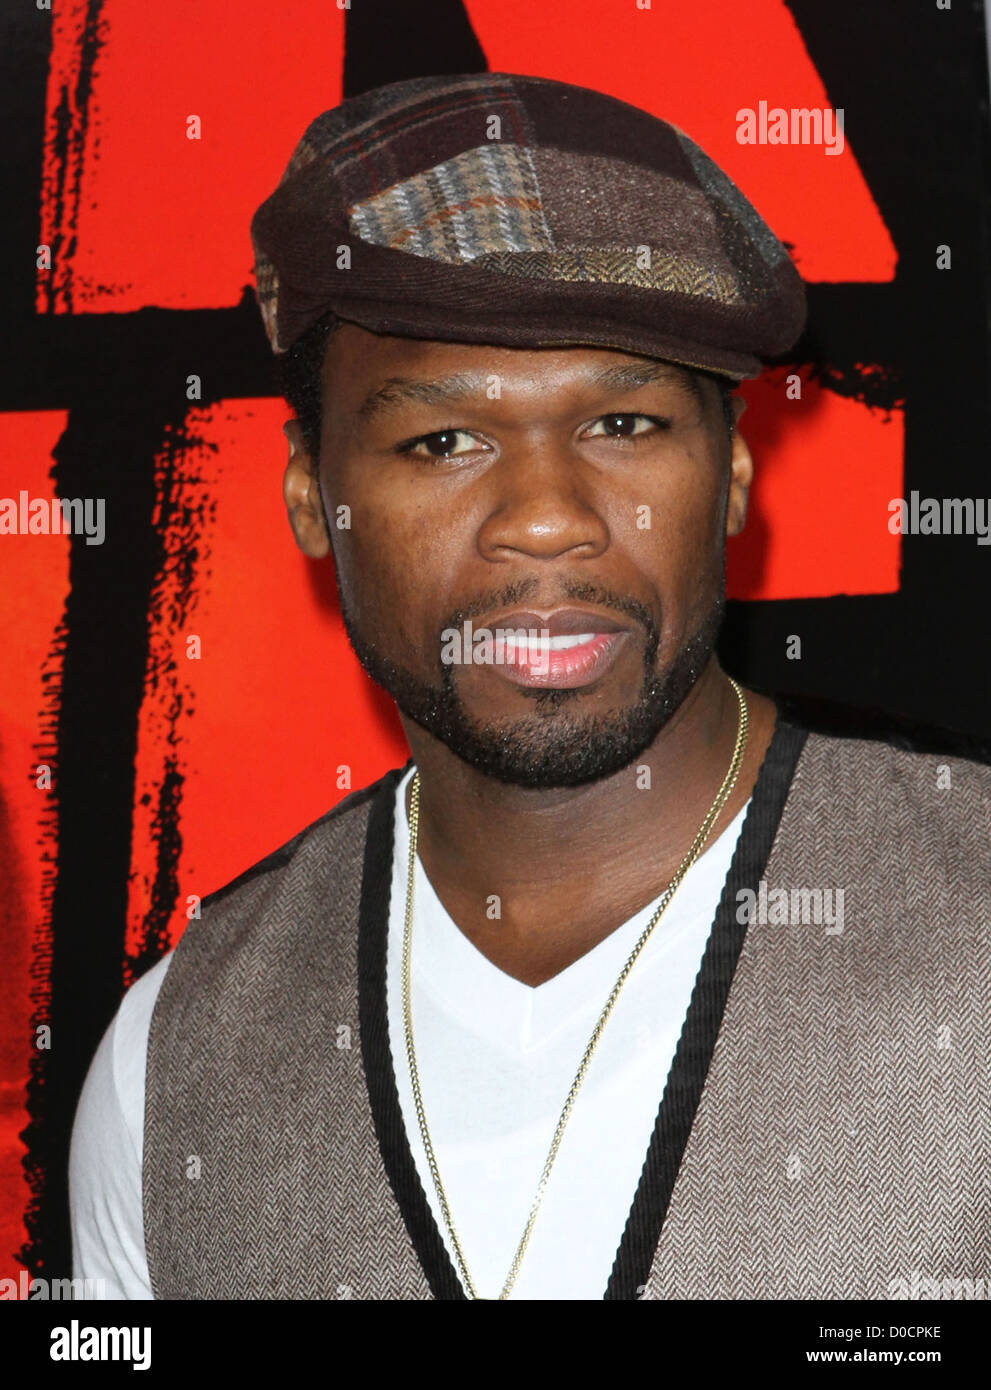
(690, 1066)
(376, 1055)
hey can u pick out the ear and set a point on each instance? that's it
(741, 475)
(301, 492)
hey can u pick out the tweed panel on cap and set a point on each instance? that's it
(521, 212)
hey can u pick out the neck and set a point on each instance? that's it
(570, 864)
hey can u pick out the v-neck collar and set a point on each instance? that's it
(510, 1014)
(679, 1103)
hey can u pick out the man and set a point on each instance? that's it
(628, 984)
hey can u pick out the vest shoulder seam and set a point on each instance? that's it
(284, 855)
(906, 751)
(848, 724)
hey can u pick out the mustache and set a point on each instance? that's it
(527, 590)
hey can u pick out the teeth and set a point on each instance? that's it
(552, 644)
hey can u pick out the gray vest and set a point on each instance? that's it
(824, 1132)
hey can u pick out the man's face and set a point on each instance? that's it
(584, 493)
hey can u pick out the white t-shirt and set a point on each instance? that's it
(496, 1059)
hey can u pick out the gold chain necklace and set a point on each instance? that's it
(729, 781)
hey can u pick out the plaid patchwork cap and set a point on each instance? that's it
(521, 212)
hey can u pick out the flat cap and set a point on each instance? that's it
(521, 212)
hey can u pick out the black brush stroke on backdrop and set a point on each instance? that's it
(392, 40)
(913, 84)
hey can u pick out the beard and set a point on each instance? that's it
(556, 745)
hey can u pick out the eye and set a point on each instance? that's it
(440, 444)
(626, 426)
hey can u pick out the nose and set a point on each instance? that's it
(541, 507)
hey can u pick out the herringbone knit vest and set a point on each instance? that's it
(825, 1130)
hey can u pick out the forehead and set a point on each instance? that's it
(366, 371)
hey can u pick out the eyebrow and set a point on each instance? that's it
(398, 390)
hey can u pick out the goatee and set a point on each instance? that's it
(554, 746)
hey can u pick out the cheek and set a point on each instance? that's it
(388, 560)
(370, 572)
(674, 520)
(671, 530)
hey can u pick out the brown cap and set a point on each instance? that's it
(521, 212)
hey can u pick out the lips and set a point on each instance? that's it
(559, 622)
(562, 650)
